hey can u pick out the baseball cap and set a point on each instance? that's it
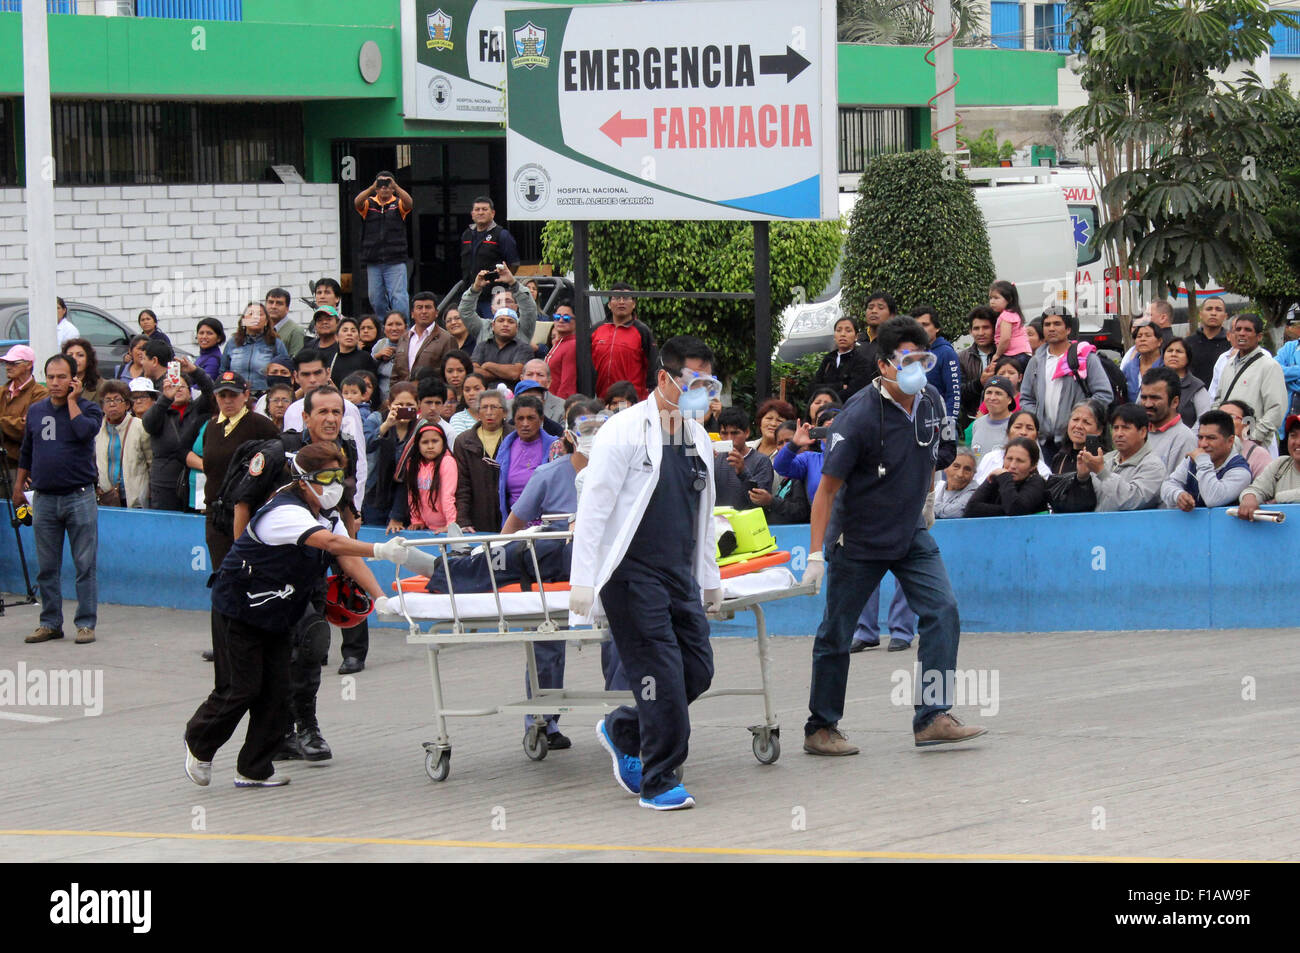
(329, 309)
(19, 352)
(1292, 422)
(1003, 384)
(230, 380)
(525, 386)
(142, 385)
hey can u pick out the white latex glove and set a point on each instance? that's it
(581, 599)
(928, 511)
(393, 550)
(387, 606)
(812, 576)
(712, 599)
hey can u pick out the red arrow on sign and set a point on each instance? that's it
(618, 128)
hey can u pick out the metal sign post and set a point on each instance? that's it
(42, 319)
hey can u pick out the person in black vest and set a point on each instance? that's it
(483, 246)
(383, 209)
(260, 590)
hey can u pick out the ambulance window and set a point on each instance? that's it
(1083, 218)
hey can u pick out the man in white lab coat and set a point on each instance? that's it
(643, 541)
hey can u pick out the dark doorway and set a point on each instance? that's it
(443, 176)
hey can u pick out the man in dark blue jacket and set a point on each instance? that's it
(58, 455)
(945, 376)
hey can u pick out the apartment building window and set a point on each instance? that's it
(1007, 25)
(867, 133)
(1286, 39)
(166, 143)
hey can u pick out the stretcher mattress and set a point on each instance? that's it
(483, 605)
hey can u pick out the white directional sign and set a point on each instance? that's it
(703, 110)
(457, 59)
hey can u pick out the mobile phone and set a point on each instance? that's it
(819, 433)
(174, 372)
(1092, 443)
(407, 413)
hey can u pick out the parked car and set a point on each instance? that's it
(111, 336)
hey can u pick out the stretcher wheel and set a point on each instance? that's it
(768, 749)
(535, 744)
(437, 765)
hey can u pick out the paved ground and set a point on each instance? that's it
(1107, 746)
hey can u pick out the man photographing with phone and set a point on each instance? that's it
(383, 209)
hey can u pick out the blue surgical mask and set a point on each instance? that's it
(911, 378)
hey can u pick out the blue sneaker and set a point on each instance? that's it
(676, 799)
(627, 769)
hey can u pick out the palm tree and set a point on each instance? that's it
(906, 22)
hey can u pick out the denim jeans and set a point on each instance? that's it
(902, 620)
(77, 514)
(924, 581)
(387, 288)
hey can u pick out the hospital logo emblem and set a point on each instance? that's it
(532, 186)
(439, 25)
(530, 45)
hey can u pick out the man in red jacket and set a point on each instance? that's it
(623, 349)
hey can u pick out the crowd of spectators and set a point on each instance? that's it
(448, 417)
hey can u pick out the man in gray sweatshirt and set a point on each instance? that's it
(1129, 477)
(1050, 388)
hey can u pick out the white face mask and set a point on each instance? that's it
(330, 496)
(584, 445)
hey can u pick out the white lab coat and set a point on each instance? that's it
(353, 427)
(619, 480)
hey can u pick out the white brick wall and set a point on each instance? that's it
(187, 251)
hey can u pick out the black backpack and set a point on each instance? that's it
(1118, 382)
(256, 469)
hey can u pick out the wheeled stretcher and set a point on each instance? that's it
(542, 615)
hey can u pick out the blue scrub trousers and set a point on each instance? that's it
(662, 637)
(924, 580)
(902, 620)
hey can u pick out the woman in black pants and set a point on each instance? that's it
(258, 594)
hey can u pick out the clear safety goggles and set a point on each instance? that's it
(692, 380)
(588, 424)
(926, 359)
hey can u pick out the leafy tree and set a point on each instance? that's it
(905, 22)
(985, 151)
(1174, 144)
(1278, 256)
(702, 256)
(916, 232)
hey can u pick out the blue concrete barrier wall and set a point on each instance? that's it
(1078, 572)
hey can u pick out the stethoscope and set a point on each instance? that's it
(933, 425)
(701, 480)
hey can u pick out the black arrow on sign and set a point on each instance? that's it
(790, 63)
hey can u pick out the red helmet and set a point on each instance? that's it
(346, 603)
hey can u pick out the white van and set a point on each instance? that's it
(1031, 238)
(1096, 272)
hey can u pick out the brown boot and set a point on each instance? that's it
(85, 634)
(828, 741)
(945, 729)
(44, 633)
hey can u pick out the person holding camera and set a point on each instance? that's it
(741, 469)
(383, 209)
(58, 456)
(485, 246)
(505, 292)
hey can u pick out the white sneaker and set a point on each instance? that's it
(274, 781)
(200, 772)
